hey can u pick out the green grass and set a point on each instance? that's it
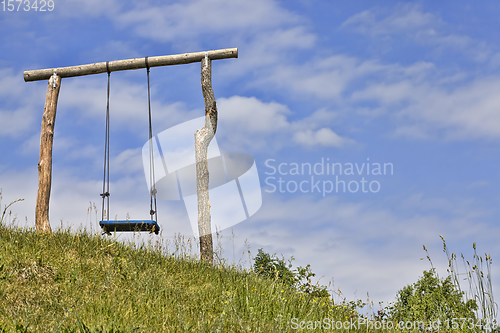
(81, 282)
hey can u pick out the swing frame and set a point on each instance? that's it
(54, 75)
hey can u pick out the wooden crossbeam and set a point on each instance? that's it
(123, 65)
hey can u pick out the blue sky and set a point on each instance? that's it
(411, 84)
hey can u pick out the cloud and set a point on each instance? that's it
(325, 79)
(468, 110)
(248, 123)
(14, 122)
(328, 78)
(323, 137)
(407, 18)
(260, 53)
(128, 162)
(22, 104)
(195, 18)
(410, 22)
(387, 93)
(256, 125)
(250, 114)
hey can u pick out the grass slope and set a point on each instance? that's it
(67, 282)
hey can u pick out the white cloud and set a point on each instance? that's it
(320, 117)
(22, 104)
(467, 111)
(31, 145)
(323, 137)
(128, 162)
(252, 115)
(387, 93)
(256, 125)
(329, 78)
(195, 18)
(410, 22)
(320, 78)
(246, 122)
(15, 122)
(263, 50)
(405, 19)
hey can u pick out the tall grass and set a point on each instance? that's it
(477, 273)
(480, 287)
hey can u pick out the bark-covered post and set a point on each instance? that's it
(42, 222)
(203, 137)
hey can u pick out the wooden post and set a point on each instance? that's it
(42, 222)
(203, 137)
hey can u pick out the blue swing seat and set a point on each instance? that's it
(130, 225)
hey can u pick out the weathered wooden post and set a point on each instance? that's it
(203, 137)
(42, 222)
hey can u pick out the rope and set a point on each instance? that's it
(105, 181)
(152, 210)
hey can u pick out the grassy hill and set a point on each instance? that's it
(67, 282)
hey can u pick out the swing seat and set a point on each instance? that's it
(130, 225)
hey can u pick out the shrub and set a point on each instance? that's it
(431, 299)
(270, 266)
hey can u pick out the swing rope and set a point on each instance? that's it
(105, 182)
(152, 211)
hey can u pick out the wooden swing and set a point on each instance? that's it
(128, 225)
